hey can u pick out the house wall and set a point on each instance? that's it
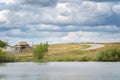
(18, 48)
(11, 50)
(27, 48)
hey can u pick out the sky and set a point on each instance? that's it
(59, 21)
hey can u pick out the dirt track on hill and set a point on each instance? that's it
(94, 46)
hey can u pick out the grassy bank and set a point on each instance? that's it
(65, 52)
(5, 57)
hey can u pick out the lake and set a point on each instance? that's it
(60, 71)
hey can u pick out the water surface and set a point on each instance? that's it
(60, 71)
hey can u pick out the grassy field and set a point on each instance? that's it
(65, 52)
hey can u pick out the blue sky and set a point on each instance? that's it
(60, 21)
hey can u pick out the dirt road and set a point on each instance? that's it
(94, 46)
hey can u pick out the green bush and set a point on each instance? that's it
(40, 50)
(5, 58)
(109, 54)
(2, 43)
(3, 54)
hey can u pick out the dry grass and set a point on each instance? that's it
(65, 52)
(23, 56)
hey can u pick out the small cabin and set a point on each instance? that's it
(23, 46)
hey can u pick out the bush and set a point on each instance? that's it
(2, 54)
(40, 50)
(2, 43)
(109, 54)
(5, 58)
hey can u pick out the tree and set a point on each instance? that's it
(40, 50)
(2, 43)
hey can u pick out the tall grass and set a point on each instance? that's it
(5, 58)
(108, 54)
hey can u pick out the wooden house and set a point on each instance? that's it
(23, 46)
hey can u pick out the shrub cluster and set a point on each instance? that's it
(5, 58)
(40, 50)
(109, 54)
(2, 43)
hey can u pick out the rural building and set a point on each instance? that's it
(23, 46)
(11, 49)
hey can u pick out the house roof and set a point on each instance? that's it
(23, 43)
(17, 46)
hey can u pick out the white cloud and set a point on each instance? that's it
(63, 13)
(116, 9)
(71, 20)
(46, 27)
(83, 36)
(3, 17)
(7, 1)
(101, 28)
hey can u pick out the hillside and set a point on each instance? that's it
(66, 52)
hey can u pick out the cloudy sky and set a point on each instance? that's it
(60, 21)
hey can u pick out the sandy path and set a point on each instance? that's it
(94, 46)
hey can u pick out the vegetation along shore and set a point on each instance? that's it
(45, 52)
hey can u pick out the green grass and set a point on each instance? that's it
(85, 46)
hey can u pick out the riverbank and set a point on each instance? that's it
(65, 52)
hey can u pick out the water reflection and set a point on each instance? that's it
(41, 76)
(2, 76)
(60, 71)
(2, 64)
